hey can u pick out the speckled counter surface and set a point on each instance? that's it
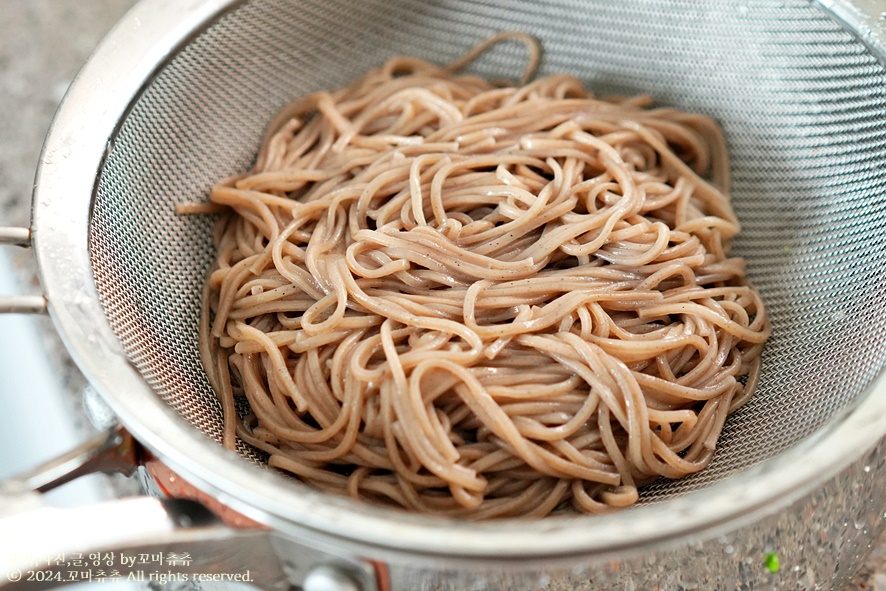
(43, 43)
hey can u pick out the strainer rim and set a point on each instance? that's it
(66, 181)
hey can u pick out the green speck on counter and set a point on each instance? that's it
(771, 562)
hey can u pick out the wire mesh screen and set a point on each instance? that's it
(801, 101)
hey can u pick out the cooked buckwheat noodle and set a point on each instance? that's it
(481, 300)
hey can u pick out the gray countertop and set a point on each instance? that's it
(43, 43)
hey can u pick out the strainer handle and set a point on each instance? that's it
(24, 304)
(42, 546)
(144, 538)
(139, 539)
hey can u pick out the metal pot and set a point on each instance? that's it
(177, 96)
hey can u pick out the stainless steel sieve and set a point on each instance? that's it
(177, 97)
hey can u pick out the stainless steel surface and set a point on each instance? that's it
(132, 527)
(802, 104)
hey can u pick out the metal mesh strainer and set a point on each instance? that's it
(802, 103)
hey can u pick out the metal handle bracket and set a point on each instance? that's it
(24, 304)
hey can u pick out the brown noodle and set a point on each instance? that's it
(481, 300)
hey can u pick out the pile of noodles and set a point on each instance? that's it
(480, 300)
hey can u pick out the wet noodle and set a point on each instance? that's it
(481, 300)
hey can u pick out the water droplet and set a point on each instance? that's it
(729, 549)
(867, 469)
